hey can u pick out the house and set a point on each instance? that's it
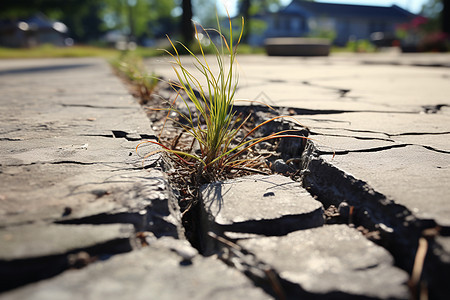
(34, 31)
(343, 22)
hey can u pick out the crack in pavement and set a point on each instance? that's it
(59, 163)
(377, 149)
(96, 106)
(378, 132)
(126, 135)
(434, 149)
(306, 111)
(329, 121)
(349, 136)
(379, 139)
(433, 109)
(341, 91)
(419, 133)
(11, 139)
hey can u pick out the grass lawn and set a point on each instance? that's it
(47, 51)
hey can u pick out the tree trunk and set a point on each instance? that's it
(187, 29)
(446, 16)
(245, 11)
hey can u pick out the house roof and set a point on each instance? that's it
(349, 10)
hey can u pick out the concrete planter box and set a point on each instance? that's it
(297, 47)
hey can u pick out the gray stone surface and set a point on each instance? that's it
(271, 205)
(421, 183)
(381, 126)
(377, 148)
(155, 272)
(68, 135)
(32, 241)
(67, 155)
(341, 82)
(34, 252)
(362, 105)
(332, 261)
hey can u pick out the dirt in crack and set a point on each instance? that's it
(272, 156)
(339, 187)
(279, 155)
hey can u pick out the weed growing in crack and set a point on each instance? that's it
(221, 139)
(132, 69)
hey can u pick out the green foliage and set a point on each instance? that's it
(324, 33)
(139, 18)
(422, 34)
(45, 51)
(249, 8)
(131, 67)
(81, 16)
(205, 12)
(432, 9)
(88, 20)
(214, 104)
(360, 46)
(208, 114)
(258, 6)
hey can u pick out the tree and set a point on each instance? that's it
(187, 28)
(249, 8)
(438, 11)
(205, 12)
(81, 16)
(244, 9)
(446, 17)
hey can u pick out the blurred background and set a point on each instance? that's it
(350, 25)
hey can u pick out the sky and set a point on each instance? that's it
(411, 5)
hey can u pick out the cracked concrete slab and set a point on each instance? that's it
(270, 205)
(388, 123)
(157, 271)
(412, 176)
(331, 262)
(69, 131)
(32, 241)
(80, 106)
(109, 189)
(68, 144)
(33, 252)
(414, 155)
(317, 83)
(385, 119)
(335, 143)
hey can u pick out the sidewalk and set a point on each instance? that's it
(380, 130)
(386, 118)
(81, 217)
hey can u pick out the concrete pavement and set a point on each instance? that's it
(380, 129)
(386, 117)
(74, 193)
(77, 206)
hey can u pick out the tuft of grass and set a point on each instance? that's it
(131, 67)
(205, 111)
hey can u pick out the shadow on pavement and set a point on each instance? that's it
(43, 69)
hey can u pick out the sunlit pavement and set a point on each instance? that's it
(385, 116)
